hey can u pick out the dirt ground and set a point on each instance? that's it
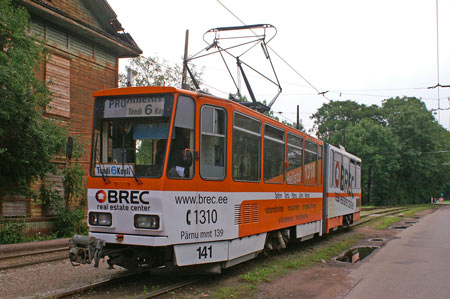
(328, 279)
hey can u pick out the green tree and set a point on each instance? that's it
(28, 140)
(152, 71)
(333, 118)
(403, 148)
(379, 150)
(423, 171)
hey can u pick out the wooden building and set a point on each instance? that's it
(84, 41)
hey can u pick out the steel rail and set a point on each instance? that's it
(109, 281)
(12, 256)
(173, 287)
(40, 261)
(90, 286)
(379, 215)
(378, 211)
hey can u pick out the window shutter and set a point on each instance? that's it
(57, 77)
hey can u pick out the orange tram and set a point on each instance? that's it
(185, 178)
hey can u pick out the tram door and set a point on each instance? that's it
(181, 164)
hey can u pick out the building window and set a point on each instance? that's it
(57, 77)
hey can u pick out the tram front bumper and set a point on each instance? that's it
(84, 249)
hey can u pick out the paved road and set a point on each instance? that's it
(417, 265)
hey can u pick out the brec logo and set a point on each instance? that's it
(337, 174)
(100, 196)
(122, 197)
(343, 179)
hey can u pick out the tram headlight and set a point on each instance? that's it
(146, 221)
(102, 219)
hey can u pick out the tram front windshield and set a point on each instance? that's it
(131, 135)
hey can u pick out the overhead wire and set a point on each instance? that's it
(280, 113)
(279, 56)
(342, 92)
(437, 60)
(345, 92)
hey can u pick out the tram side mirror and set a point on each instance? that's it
(69, 147)
(187, 157)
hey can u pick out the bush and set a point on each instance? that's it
(70, 221)
(12, 231)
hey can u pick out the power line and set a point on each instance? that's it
(354, 94)
(209, 86)
(437, 59)
(280, 113)
(382, 89)
(295, 113)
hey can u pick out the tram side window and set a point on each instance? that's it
(352, 174)
(213, 146)
(273, 155)
(320, 165)
(294, 159)
(310, 162)
(345, 174)
(358, 175)
(246, 148)
(182, 139)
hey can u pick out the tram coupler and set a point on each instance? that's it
(84, 249)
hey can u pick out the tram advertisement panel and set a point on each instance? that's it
(200, 216)
(343, 196)
(185, 217)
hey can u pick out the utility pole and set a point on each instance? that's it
(129, 77)
(298, 117)
(184, 77)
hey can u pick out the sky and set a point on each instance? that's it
(359, 50)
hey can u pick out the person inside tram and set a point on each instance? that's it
(180, 158)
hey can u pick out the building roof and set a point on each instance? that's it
(110, 33)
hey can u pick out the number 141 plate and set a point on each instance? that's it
(201, 253)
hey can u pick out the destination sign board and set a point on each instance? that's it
(122, 170)
(134, 107)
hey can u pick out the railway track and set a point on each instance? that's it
(91, 286)
(379, 213)
(17, 260)
(172, 288)
(376, 211)
(80, 291)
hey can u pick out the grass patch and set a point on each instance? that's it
(281, 265)
(229, 292)
(364, 207)
(413, 210)
(385, 222)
